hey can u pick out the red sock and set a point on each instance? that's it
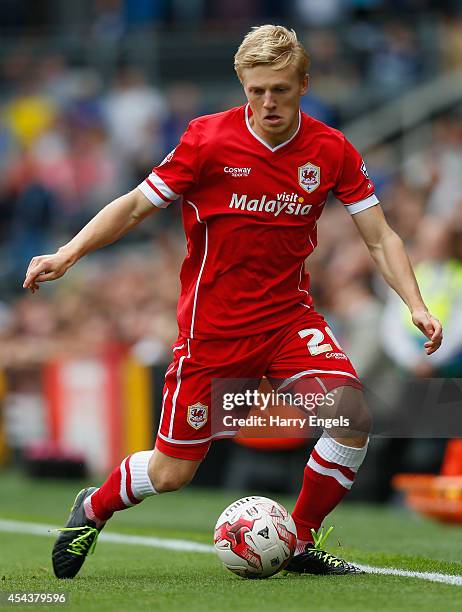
(329, 475)
(126, 486)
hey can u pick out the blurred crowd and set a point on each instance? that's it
(73, 138)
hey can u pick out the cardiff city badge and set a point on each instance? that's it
(197, 415)
(309, 177)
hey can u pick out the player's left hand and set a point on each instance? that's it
(430, 327)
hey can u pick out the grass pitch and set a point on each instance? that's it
(130, 577)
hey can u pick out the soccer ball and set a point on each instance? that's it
(255, 537)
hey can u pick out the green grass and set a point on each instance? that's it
(125, 577)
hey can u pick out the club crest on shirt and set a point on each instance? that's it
(197, 415)
(309, 177)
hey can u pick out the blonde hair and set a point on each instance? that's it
(273, 45)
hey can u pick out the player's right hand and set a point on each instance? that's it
(45, 268)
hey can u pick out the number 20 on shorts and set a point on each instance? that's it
(316, 337)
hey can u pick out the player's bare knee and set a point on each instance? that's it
(351, 410)
(166, 481)
(170, 474)
(362, 420)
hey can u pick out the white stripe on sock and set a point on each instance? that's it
(334, 473)
(348, 456)
(141, 483)
(123, 484)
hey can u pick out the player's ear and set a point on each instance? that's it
(305, 84)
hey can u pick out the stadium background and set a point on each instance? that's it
(93, 94)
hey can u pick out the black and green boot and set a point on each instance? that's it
(316, 561)
(76, 540)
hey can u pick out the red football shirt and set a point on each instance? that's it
(249, 215)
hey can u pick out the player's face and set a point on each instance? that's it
(274, 97)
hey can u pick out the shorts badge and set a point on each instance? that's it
(197, 415)
(309, 177)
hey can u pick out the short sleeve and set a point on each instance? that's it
(175, 174)
(354, 187)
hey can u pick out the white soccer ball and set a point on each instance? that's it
(255, 537)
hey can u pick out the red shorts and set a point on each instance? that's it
(304, 349)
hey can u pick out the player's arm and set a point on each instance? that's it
(110, 224)
(388, 252)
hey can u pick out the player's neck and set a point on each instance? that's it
(271, 139)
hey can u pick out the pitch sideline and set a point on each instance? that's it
(41, 529)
